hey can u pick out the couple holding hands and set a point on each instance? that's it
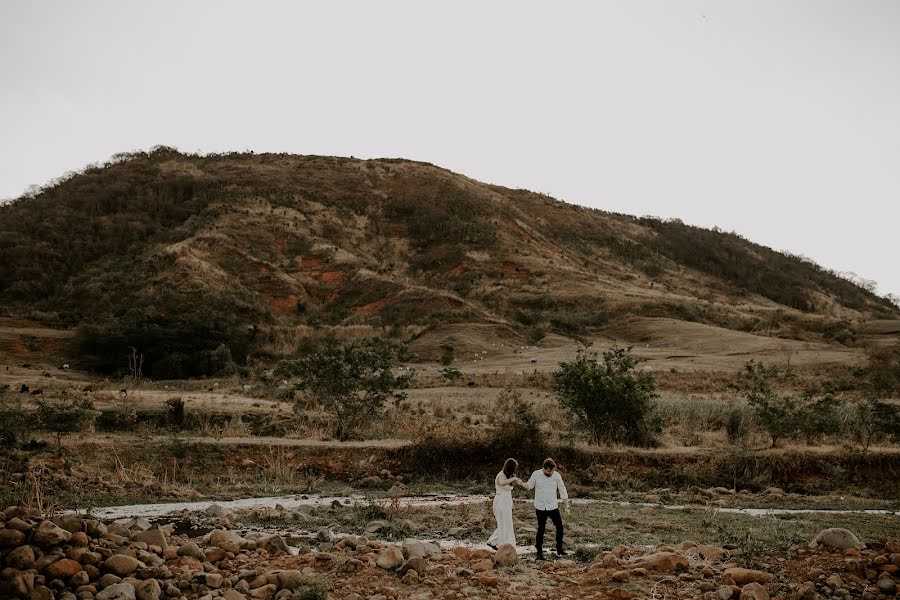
(546, 483)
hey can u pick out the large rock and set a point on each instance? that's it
(837, 537)
(148, 590)
(152, 537)
(11, 537)
(290, 579)
(413, 548)
(713, 553)
(121, 565)
(742, 576)
(390, 558)
(193, 550)
(49, 534)
(416, 563)
(138, 523)
(21, 558)
(71, 523)
(659, 561)
(218, 537)
(754, 591)
(274, 545)
(63, 569)
(506, 556)
(117, 591)
(19, 525)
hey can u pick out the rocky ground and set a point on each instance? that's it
(72, 557)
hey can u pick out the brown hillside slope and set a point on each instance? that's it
(286, 244)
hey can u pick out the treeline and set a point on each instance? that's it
(141, 343)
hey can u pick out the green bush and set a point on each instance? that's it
(874, 420)
(517, 428)
(65, 416)
(352, 381)
(736, 427)
(613, 401)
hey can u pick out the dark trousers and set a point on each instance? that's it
(542, 525)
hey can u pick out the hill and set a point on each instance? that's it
(243, 255)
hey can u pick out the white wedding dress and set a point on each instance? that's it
(503, 504)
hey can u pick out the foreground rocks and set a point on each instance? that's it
(82, 559)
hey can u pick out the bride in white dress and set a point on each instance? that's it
(503, 504)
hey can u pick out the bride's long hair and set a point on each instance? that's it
(509, 467)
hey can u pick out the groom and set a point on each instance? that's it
(545, 482)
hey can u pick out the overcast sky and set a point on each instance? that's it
(778, 120)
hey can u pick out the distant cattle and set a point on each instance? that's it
(38, 392)
(24, 388)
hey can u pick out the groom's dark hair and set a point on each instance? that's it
(549, 464)
(509, 467)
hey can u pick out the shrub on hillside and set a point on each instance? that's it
(873, 420)
(613, 401)
(883, 371)
(517, 428)
(812, 413)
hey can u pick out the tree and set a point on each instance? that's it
(610, 398)
(448, 353)
(351, 381)
(874, 419)
(779, 415)
(65, 417)
(517, 427)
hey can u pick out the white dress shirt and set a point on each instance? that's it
(545, 489)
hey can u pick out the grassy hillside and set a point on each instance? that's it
(254, 252)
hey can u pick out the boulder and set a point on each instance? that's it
(506, 556)
(742, 576)
(375, 526)
(724, 592)
(193, 550)
(121, 565)
(148, 589)
(754, 591)
(21, 558)
(117, 591)
(886, 586)
(837, 537)
(390, 558)
(138, 523)
(233, 595)
(263, 592)
(151, 537)
(19, 525)
(63, 569)
(713, 553)
(416, 563)
(71, 523)
(49, 534)
(413, 548)
(290, 579)
(221, 536)
(659, 561)
(274, 545)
